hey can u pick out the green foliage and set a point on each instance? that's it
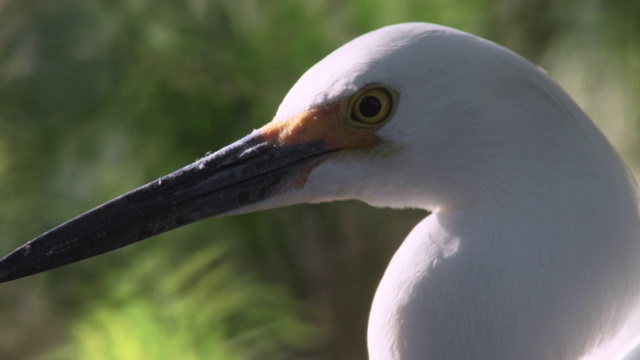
(99, 97)
(201, 307)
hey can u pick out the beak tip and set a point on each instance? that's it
(7, 270)
(16, 264)
(6, 273)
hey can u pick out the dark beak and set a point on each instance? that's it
(244, 173)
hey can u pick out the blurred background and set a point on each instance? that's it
(99, 97)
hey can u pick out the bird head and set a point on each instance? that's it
(415, 116)
(378, 120)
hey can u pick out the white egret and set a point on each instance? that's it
(532, 250)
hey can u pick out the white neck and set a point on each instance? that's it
(467, 285)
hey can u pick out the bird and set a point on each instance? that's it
(530, 249)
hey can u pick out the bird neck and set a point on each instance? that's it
(533, 277)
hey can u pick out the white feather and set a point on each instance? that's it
(532, 251)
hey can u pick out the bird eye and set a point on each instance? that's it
(372, 106)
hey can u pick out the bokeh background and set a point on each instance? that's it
(99, 97)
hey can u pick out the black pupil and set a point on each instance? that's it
(369, 106)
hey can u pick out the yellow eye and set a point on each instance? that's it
(372, 106)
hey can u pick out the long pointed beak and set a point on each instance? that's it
(235, 177)
(272, 160)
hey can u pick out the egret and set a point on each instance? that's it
(532, 248)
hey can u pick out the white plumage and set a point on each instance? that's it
(532, 250)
